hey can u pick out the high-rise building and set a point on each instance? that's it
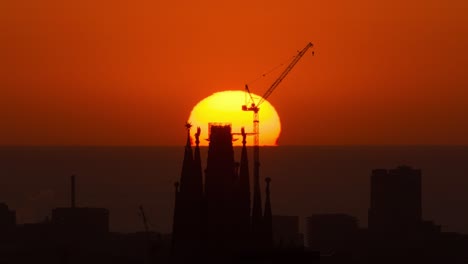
(395, 200)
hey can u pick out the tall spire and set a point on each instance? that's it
(188, 126)
(244, 183)
(186, 213)
(268, 216)
(243, 194)
(196, 202)
(187, 164)
(197, 169)
(257, 217)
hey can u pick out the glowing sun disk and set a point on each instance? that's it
(226, 107)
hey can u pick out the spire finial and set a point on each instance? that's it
(197, 136)
(188, 125)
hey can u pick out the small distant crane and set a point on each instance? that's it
(143, 218)
(150, 246)
(255, 108)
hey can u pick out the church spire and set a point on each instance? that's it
(187, 164)
(197, 169)
(244, 187)
(244, 176)
(257, 217)
(188, 143)
(187, 213)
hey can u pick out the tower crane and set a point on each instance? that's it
(143, 218)
(255, 108)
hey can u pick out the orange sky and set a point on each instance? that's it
(119, 72)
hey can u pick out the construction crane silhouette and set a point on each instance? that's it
(255, 108)
(143, 218)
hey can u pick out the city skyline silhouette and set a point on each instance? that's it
(359, 156)
(395, 209)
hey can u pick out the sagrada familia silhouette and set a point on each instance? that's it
(214, 215)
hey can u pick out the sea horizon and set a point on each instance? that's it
(306, 180)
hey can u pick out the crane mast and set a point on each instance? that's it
(255, 108)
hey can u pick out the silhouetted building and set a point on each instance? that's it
(215, 217)
(221, 192)
(79, 221)
(188, 207)
(331, 232)
(286, 232)
(395, 202)
(7, 219)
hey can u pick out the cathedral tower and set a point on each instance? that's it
(215, 219)
(188, 205)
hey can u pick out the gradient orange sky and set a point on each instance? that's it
(129, 72)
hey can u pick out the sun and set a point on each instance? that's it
(226, 107)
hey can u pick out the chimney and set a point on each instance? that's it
(73, 191)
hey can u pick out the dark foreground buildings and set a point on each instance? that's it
(218, 218)
(396, 231)
(7, 220)
(214, 217)
(76, 235)
(76, 221)
(329, 232)
(286, 232)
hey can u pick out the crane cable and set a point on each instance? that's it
(272, 70)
